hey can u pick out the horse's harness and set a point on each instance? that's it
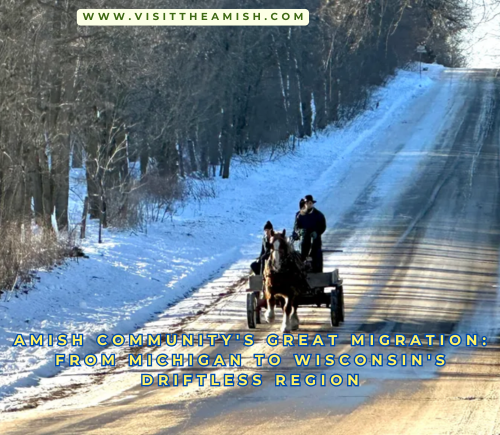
(292, 271)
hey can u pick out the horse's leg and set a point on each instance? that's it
(271, 302)
(287, 311)
(294, 321)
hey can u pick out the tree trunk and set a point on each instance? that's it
(84, 217)
(213, 147)
(226, 141)
(181, 158)
(296, 117)
(47, 188)
(305, 99)
(59, 149)
(60, 163)
(122, 155)
(36, 186)
(320, 121)
(92, 174)
(192, 156)
(143, 160)
(76, 155)
(167, 160)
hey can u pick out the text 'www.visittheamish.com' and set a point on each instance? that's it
(193, 17)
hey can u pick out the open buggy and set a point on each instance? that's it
(324, 289)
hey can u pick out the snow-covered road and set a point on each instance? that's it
(410, 191)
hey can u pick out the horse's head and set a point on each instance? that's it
(279, 250)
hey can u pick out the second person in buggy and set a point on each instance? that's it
(258, 265)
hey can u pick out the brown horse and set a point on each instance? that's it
(284, 277)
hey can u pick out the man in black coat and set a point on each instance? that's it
(310, 224)
(265, 251)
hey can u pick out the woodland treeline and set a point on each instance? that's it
(179, 101)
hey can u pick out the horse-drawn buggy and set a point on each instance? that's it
(288, 282)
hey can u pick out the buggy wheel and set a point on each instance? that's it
(334, 308)
(251, 310)
(257, 307)
(341, 298)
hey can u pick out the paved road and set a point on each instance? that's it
(421, 259)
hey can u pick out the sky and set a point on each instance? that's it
(482, 42)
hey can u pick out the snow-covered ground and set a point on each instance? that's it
(133, 278)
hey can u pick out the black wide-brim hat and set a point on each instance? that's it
(309, 198)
